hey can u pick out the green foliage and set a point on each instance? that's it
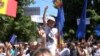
(22, 25)
(73, 10)
(5, 26)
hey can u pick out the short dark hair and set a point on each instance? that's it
(42, 51)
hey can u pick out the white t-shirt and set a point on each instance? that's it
(2, 54)
(97, 53)
(65, 52)
(87, 52)
(47, 29)
(51, 44)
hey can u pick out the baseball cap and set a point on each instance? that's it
(50, 18)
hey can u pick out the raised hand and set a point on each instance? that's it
(44, 21)
(46, 7)
(42, 33)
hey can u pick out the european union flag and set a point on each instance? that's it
(82, 24)
(60, 20)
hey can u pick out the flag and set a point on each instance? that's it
(97, 30)
(82, 24)
(13, 38)
(60, 20)
(8, 7)
(57, 3)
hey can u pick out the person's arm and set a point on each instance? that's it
(8, 53)
(42, 34)
(44, 21)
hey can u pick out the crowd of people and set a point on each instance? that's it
(73, 48)
(47, 44)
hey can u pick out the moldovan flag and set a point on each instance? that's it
(8, 7)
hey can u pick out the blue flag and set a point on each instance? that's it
(60, 20)
(13, 38)
(97, 30)
(82, 24)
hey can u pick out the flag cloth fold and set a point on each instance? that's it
(82, 24)
(60, 24)
(60, 20)
(8, 7)
(13, 38)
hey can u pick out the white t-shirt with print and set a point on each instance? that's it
(52, 46)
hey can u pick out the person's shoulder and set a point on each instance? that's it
(98, 50)
(54, 30)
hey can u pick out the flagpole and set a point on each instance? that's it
(60, 20)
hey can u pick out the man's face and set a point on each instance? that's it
(1, 49)
(50, 23)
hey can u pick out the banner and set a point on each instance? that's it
(28, 11)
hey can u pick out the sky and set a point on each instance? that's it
(42, 4)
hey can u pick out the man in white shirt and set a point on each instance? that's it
(97, 53)
(65, 51)
(49, 33)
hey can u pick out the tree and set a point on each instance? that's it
(5, 26)
(73, 11)
(22, 25)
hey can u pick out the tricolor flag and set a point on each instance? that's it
(8, 7)
(82, 24)
(60, 24)
(57, 3)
